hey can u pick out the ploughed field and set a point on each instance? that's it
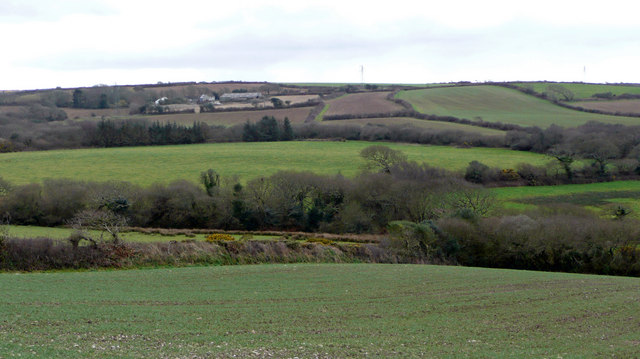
(499, 104)
(362, 103)
(318, 310)
(613, 106)
(148, 165)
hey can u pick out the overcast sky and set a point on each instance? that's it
(71, 43)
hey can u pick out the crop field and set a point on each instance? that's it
(433, 125)
(147, 165)
(582, 91)
(362, 103)
(623, 106)
(498, 104)
(601, 197)
(311, 310)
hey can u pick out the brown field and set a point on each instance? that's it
(266, 101)
(297, 98)
(362, 103)
(242, 105)
(295, 115)
(434, 125)
(12, 109)
(89, 113)
(613, 106)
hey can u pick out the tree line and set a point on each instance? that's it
(430, 215)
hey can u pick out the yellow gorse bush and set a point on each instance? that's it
(219, 237)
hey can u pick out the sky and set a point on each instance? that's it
(73, 43)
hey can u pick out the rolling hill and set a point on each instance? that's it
(499, 104)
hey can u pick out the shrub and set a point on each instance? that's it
(324, 241)
(219, 237)
(477, 172)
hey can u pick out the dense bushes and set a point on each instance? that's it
(431, 215)
(558, 242)
(559, 239)
(285, 200)
(47, 254)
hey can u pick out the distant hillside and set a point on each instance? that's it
(498, 104)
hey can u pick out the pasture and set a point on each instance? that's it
(147, 165)
(499, 104)
(601, 197)
(362, 103)
(318, 310)
(583, 90)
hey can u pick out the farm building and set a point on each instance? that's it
(206, 98)
(161, 100)
(238, 97)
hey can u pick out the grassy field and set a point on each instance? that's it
(146, 165)
(331, 310)
(498, 104)
(582, 91)
(362, 103)
(433, 125)
(600, 197)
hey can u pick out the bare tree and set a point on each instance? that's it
(103, 220)
(382, 157)
(477, 200)
(566, 157)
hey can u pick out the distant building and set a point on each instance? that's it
(239, 97)
(206, 98)
(161, 100)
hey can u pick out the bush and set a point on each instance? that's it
(477, 172)
(324, 241)
(219, 237)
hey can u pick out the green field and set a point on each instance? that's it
(598, 196)
(582, 91)
(334, 310)
(499, 104)
(147, 165)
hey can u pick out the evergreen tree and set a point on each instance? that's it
(287, 130)
(79, 100)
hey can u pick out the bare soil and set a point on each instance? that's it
(362, 103)
(613, 106)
